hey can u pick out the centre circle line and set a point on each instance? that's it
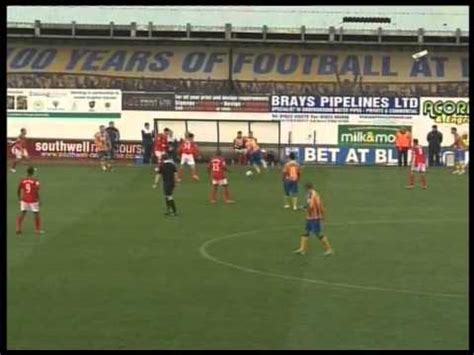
(206, 255)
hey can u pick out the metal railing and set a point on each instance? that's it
(228, 33)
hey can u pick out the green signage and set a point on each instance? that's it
(367, 135)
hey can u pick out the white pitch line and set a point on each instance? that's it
(206, 255)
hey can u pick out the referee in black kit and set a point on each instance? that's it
(169, 172)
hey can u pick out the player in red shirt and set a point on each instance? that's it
(216, 170)
(418, 164)
(161, 143)
(188, 151)
(239, 148)
(19, 149)
(28, 195)
(160, 148)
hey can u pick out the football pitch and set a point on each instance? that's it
(112, 272)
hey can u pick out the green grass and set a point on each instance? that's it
(113, 273)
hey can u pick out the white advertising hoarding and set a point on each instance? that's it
(64, 104)
(306, 120)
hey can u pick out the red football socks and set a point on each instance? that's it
(423, 181)
(19, 222)
(226, 193)
(214, 193)
(37, 222)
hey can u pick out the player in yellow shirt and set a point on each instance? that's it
(465, 139)
(102, 147)
(314, 214)
(254, 153)
(291, 177)
(459, 147)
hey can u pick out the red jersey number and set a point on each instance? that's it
(218, 169)
(29, 188)
(189, 148)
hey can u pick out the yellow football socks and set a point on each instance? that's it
(301, 244)
(459, 167)
(325, 242)
(295, 202)
(304, 244)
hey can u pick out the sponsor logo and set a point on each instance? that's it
(340, 155)
(354, 135)
(369, 105)
(447, 111)
(75, 148)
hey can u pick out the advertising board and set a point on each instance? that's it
(61, 103)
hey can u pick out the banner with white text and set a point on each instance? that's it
(337, 155)
(75, 149)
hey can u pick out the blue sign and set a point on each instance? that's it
(339, 155)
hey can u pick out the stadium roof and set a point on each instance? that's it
(434, 18)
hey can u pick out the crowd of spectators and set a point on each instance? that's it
(354, 87)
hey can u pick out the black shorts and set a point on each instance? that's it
(168, 189)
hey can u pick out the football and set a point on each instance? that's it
(249, 173)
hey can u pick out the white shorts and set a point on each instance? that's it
(240, 151)
(221, 182)
(29, 206)
(20, 153)
(187, 159)
(159, 154)
(419, 168)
